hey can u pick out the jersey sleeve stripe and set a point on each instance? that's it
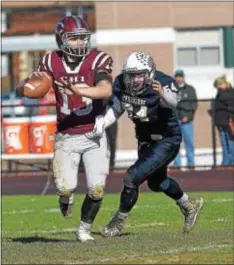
(96, 59)
(49, 62)
(44, 62)
(103, 60)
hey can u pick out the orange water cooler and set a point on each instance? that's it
(42, 132)
(16, 135)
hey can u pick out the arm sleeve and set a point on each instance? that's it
(113, 113)
(171, 96)
(116, 109)
(99, 76)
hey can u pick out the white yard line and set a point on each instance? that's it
(52, 210)
(164, 252)
(52, 231)
(221, 220)
(105, 208)
(221, 200)
(73, 229)
(147, 225)
(18, 212)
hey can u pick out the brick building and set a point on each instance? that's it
(197, 37)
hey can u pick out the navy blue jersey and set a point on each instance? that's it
(146, 110)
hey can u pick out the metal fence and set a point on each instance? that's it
(207, 146)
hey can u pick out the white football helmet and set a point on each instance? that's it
(138, 62)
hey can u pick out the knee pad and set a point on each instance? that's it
(128, 199)
(66, 198)
(96, 192)
(128, 180)
(65, 193)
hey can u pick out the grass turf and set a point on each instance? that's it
(34, 232)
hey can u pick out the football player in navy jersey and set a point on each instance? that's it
(149, 97)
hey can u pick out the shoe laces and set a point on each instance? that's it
(116, 221)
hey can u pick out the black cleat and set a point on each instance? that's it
(66, 209)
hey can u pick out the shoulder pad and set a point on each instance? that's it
(45, 63)
(163, 78)
(102, 62)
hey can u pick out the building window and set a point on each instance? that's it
(198, 48)
(187, 56)
(209, 56)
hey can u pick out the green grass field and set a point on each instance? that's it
(34, 232)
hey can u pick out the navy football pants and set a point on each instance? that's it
(152, 163)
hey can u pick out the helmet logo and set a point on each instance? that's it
(60, 27)
(145, 59)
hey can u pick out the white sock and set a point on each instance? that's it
(183, 199)
(123, 215)
(84, 226)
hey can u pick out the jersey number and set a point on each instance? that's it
(139, 113)
(78, 111)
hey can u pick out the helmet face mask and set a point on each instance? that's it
(73, 37)
(136, 81)
(78, 50)
(138, 72)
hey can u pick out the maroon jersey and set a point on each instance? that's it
(76, 114)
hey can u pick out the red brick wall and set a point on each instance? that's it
(28, 23)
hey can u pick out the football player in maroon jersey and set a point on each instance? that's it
(81, 81)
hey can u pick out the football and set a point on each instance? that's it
(37, 86)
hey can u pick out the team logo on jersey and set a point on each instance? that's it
(69, 79)
(133, 100)
(72, 79)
